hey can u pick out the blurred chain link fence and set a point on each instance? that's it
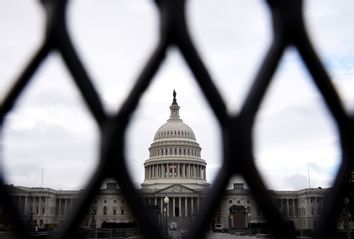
(288, 31)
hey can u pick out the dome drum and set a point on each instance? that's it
(175, 152)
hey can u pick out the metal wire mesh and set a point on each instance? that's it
(288, 31)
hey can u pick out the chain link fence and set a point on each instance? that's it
(236, 129)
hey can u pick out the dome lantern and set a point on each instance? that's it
(174, 107)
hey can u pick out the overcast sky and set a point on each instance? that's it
(50, 129)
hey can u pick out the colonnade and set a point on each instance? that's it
(64, 206)
(34, 204)
(42, 205)
(166, 151)
(177, 206)
(175, 170)
(288, 207)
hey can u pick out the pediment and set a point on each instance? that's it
(176, 188)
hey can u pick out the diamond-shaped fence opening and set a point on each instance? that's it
(237, 129)
(15, 52)
(44, 115)
(100, 220)
(126, 31)
(153, 111)
(287, 158)
(333, 43)
(223, 35)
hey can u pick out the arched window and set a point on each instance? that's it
(104, 210)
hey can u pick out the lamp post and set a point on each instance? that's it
(166, 201)
(248, 211)
(347, 218)
(93, 220)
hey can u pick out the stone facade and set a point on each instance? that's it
(175, 170)
(301, 207)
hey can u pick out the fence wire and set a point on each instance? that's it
(288, 31)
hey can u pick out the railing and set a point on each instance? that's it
(289, 30)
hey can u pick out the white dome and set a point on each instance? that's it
(174, 128)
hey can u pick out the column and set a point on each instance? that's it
(71, 205)
(25, 209)
(65, 204)
(192, 209)
(33, 204)
(155, 201)
(161, 205)
(59, 206)
(180, 206)
(174, 206)
(185, 207)
(40, 205)
(183, 170)
(198, 204)
(178, 174)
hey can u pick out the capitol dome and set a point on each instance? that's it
(175, 155)
(174, 128)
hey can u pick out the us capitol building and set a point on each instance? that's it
(174, 169)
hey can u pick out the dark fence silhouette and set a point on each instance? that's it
(288, 30)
